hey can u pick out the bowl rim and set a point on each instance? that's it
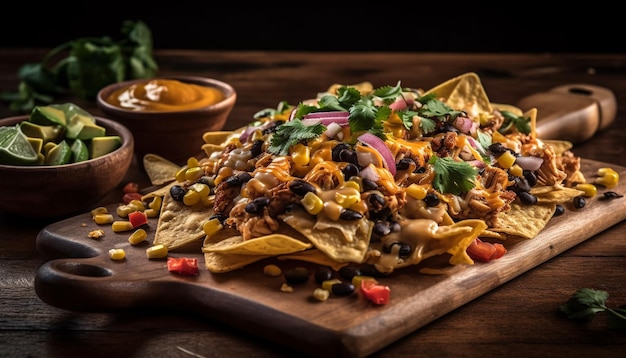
(125, 133)
(228, 90)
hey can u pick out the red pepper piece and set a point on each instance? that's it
(131, 187)
(183, 265)
(138, 218)
(375, 292)
(128, 197)
(485, 251)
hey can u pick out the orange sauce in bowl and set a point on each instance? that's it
(164, 95)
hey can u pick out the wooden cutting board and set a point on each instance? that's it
(80, 276)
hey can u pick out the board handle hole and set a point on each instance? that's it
(79, 269)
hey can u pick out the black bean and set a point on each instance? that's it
(405, 163)
(560, 210)
(527, 198)
(348, 214)
(257, 148)
(348, 155)
(403, 252)
(177, 192)
(336, 152)
(244, 177)
(368, 184)
(342, 288)
(531, 177)
(375, 201)
(497, 148)
(233, 181)
(370, 270)
(431, 199)
(579, 202)
(219, 216)
(301, 187)
(297, 275)
(323, 273)
(350, 170)
(257, 205)
(381, 228)
(348, 272)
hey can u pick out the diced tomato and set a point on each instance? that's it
(128, 197)
(375, 292)
(138, 218)
(131, 188)
(485, 251)
(183, 265)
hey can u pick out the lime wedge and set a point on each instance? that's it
(80, 152)
(15, 149)
(59, 154)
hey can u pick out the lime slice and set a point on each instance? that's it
(59, 154)
(80, 152)
(15, 149)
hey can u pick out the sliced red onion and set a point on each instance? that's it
(529, 162)
(402, 103)
(465, 125)
(327, 118)
(380, 146)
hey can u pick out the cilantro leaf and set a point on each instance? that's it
(387, 93)
(291, 133)
(439, 110)
(511, 120)
(452, 176)
(427, 125)
(586, 302)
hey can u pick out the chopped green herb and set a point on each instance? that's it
(291, 133)
(511, 120)
(586, 302)
(452, 176)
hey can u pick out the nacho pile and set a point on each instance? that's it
(387, 177)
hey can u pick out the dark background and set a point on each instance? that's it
(325, 26)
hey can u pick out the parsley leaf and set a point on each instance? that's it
(511, 120)
(586, 302)
(452, 176)
(291, 133)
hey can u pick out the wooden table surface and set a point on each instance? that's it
(517, 319)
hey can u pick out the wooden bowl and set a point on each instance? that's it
(40, 191)
(174, 135)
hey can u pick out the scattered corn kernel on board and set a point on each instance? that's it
(81, 276)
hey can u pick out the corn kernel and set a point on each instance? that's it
(328, 284)
(222, 174)
(137, 236)
(607, 177)
(193, 174)
(356, 280)
(191, 198)
(312, 203)
(117, 254)
(272, 270)
(352, 184)
(506, 159)
(119, 226)
(202, 189)
(516, 170)
(156, 251)
(301, 154)
(192, 162)
(212, 226)
(99, 210)
(137, 205)
(152, 213)
(332, 210)
(123, 210)
(417, 191)
(103, 219)
(208, 200)
(156, 203)
(589, 189)
(347, 197)
(180, 175)
(321, 294)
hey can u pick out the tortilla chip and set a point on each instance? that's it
(314, 256)
(159, 169)
(274, 244)
(464, 92)
(525, 221)
(559, 146)
(180, 224)
(556, 194)
(342, 241)
(219, 262)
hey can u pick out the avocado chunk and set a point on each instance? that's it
(46, 133)
(83, 127)
(60, 154)
(48, 115)
(80, 152)
(100, 146)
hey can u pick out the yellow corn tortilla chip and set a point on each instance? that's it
(342, 241)
(556, 194)
(274, 244)
(560, 146)
(219, 262)
(525, 221)
(180, 224)
(464, 92)
(314, 256)
(159, 169)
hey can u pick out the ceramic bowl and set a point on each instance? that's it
(56, 191)
(174, 135)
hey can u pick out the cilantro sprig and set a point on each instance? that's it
(585, 303)
(513, 121)
(291, 133)
(91, 63)
(451, 176)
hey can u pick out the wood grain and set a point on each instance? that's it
(80, 276)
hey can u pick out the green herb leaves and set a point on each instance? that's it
(586, 302)
(90, 64)
(291, 133)
(452, 176)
